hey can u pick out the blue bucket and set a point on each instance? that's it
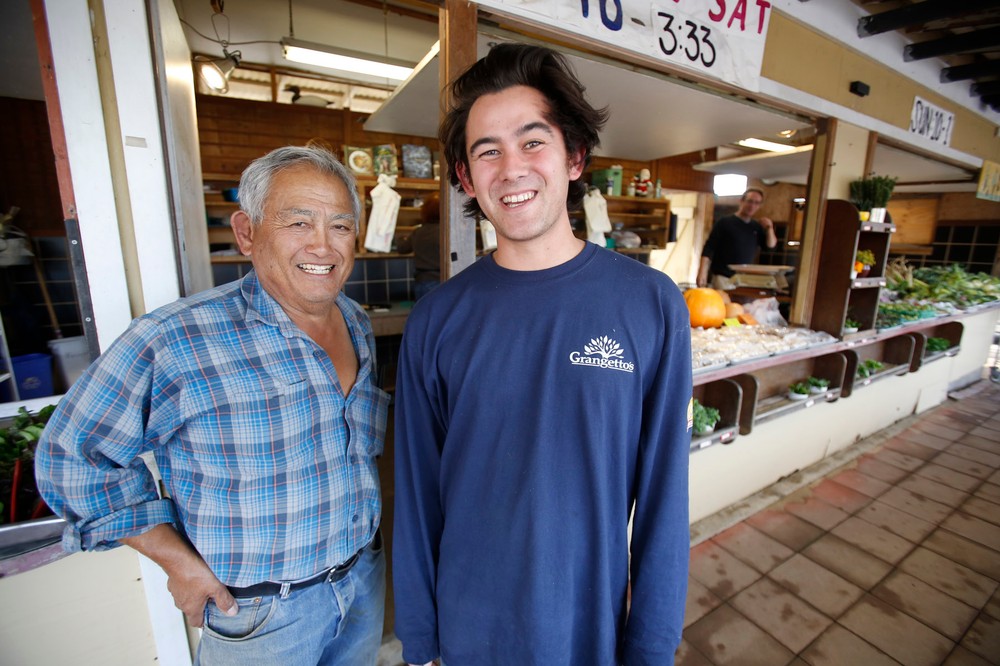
(33, 373)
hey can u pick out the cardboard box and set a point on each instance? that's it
(599, 179)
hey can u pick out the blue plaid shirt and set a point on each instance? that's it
(269, 471)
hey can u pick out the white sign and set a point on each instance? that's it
(723, 39)
(931, 122)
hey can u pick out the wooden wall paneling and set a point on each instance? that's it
(675, 172)
(965, 206)
(233, 132)
(915, 219)
(28, 171)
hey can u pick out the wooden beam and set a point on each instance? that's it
(918, 14)
(804, 298)
(457, 34)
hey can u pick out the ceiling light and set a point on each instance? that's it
(760, 144)
(345, 60)
(215, 72)
(729, 184)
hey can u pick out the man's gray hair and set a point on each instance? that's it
(255, 183)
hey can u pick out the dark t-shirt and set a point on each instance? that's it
(426, 253)
(733, 241)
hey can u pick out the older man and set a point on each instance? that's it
(257, 401)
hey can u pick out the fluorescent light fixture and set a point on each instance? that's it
(215, 72)
(770, 146)
(729, 184)
(345, 60)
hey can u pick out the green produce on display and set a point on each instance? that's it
(802, 388)
(937, 344)
(948, 284)
(868, 367)
(18, 495)
(818, 382)
(705, 417)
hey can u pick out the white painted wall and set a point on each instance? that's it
(87, 609)
(87, 152)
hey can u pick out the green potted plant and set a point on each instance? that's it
(19, 498)
(851, 325)
(860, 196)
(871, 195)
(705, 418)
(882, 187)
(818, 384)
(798, 391)
(868, 367)
(935, 345)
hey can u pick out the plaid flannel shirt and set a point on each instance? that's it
(269, 471)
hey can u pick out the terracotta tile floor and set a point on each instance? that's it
(892, 559)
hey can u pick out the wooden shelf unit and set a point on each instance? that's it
(726, 396)
(950, 331)
(838, 295)
(765, 390)
(647, 217)
(409, 215)
(895, 354)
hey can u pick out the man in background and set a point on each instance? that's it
(542, 400)
(735, 239)
(425, 244)
(256, 400)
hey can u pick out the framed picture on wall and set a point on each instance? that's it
(386, 160)
(416, 161)
(359, 160)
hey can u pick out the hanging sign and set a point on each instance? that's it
(723, 39)
(931, 122)
(989, 181)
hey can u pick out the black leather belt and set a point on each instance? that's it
(331, 575)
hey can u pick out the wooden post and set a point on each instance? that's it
(812, 231)
(457, 34)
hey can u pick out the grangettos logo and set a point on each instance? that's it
(602, 352)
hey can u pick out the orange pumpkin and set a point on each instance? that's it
(705, 307)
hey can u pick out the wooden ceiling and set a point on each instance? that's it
(965, 34)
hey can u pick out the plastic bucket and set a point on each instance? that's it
(72, 357)
(33, 373)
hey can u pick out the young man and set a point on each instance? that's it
(257, 401)
(541, 399)
(735, 239)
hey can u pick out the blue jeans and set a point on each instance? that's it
(333, 624)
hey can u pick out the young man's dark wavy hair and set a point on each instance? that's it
(508, 65)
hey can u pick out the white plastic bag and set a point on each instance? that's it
(385, 210)
(595, 208)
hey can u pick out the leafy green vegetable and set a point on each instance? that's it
(948, 284)
(705, 417)
(818, 382)
(937, 344)
(801, 388)
(17, 454)
(868, 367)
